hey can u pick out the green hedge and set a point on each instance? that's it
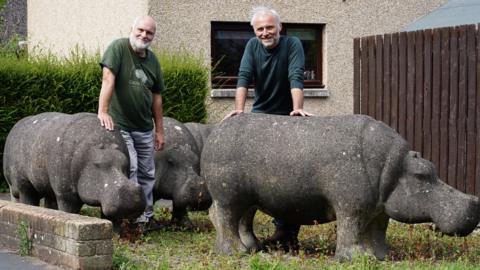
(30, 87)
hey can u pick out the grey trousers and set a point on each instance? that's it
(142, 166)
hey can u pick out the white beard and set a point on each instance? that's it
(138, 44)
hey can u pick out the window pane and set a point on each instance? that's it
(308, 38)
(228, 51)
(302, 33)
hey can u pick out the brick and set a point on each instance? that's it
(9, 242)
(94, 229)
(96, 262)
(50, 240)
(81, 249)
(104, 247)
(8, 228)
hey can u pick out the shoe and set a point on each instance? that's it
(145, 224)
(287, 240)
(142, 219)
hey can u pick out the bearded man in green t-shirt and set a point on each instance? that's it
(130, 100)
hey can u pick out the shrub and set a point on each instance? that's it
(32, 86)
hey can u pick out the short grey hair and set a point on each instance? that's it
(140, 18)
(262, 10)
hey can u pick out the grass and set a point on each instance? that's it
(412, 247)
(24, 235)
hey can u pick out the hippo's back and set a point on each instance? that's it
(308, 161)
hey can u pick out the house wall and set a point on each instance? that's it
(59, 26)
(187, 24)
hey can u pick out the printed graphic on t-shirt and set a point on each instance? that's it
(140, 74)
(140, 79)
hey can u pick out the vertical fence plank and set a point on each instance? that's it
(364, 77)
(471, 104)
(394, 85)
(410, 95)
(436, 84)
(371, 76)
(402, 84)
(356, 75)
(379, 78)
(477, 118)
(462, 107)
(427, 95)
(452, 139)
(418, 115)
(444, 103)
(387, 42)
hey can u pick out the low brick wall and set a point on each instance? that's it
(58, 238)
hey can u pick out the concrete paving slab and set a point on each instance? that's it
(9, 260)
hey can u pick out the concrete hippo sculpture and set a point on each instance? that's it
(199, 132)
(70, 160)
(177, 169)
(352, 169)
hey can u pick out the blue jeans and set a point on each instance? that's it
(142, 166)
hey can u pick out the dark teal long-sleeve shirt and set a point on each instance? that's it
(275, 72)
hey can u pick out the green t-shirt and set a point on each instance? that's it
(136, 79)
(275, 72)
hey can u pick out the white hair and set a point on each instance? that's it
(139, 18)
(262, 10)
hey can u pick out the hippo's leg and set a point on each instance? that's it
(226, 224)
(180, 216)
(27, 194)
(246, 231)
(14, 197)
(374, 237)
(69, 203)
(51, 203)
(349, 236)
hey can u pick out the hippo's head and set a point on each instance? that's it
(177, 169)
(420, 196)
(104, 182)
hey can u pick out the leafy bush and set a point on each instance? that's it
(32, 86)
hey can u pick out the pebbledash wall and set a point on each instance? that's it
(62, 25)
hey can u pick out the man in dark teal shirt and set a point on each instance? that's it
(276, 64)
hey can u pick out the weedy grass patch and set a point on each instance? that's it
(411, 247)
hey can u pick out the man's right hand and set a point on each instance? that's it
(105, 120)
(236, 112)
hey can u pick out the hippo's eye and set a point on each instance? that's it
(424, 177)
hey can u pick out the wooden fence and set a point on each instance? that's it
(425, 84)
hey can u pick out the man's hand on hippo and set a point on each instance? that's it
(105, 120)
(300, 112)
(159, 141)
(233, 113)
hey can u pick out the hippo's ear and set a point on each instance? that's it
(96, 155)
(99, 156)
(414, 154)
(416, 165)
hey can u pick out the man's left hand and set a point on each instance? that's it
(300, 112)
(159, 141)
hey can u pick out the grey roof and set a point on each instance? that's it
(455, 12)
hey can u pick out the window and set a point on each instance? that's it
(230, 38)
